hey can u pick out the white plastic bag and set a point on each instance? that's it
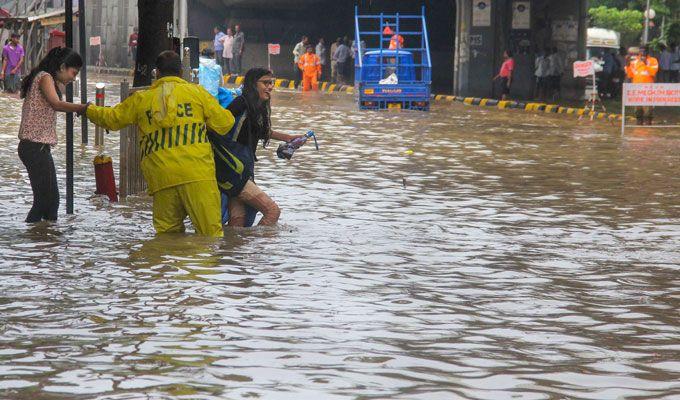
(390, 80)
(209, 75)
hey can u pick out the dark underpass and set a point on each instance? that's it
(273, 22)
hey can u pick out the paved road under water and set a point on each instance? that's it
(512, 255)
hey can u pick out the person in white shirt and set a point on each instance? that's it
(228, 52)
(321, 53)
(334, 61)
(555, 73)
(542, 70)
(298, 51)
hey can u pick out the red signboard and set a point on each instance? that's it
(274, 48)
(584, 68)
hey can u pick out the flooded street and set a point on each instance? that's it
(463, 253)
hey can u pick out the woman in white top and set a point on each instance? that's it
(227, 53)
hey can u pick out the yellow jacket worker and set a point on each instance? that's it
(177, 159)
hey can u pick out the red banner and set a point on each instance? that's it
(274, 49)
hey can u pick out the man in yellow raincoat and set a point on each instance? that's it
(177, 159)
(310, 64)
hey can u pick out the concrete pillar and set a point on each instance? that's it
(181, 18)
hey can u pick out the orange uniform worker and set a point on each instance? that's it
(310, 64)
(643, 69)
(396, 41)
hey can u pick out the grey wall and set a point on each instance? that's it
(113, 21)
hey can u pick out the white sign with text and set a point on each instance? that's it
(481, 13)
(651, 94)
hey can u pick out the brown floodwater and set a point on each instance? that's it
(461, 253)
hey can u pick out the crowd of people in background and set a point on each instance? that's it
(617, 67)
(669, 63)
(229, 48)
(548, 70)
(549, 67)
(341, 57)
(311, 62)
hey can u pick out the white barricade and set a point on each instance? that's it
(649, 95)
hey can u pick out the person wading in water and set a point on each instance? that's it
(38, 129)
(235, 153)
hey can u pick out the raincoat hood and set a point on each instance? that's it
(164, 105)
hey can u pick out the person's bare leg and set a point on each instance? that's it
(237, 212)
(255, 197)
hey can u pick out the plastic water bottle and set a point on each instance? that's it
(287, 149)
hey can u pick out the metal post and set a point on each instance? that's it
(83, 72)
(124, 173)
(99, 100)
(623, 117)
(594, 96)
(183, 19)
(623, 108)
(646, 34)
(186, 64)
(68, 27)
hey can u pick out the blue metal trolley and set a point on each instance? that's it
(409, 63)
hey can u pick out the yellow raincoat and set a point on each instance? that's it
(172, 116)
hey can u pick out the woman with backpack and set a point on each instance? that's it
(235, 152)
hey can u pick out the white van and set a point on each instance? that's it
(599, 40)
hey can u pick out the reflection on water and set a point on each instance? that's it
(464, 253)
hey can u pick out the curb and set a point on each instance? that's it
(530, 106)
(110, 70)
(471, 101)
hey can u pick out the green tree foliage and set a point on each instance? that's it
(667, 8)
(629, 23)
(620, 4)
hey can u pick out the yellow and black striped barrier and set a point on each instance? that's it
(528, 106)
(472, 101)
(290, 84)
